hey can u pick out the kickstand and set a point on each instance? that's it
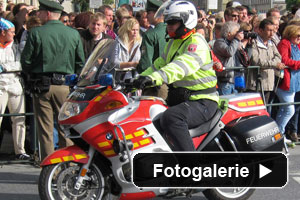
(286, 148)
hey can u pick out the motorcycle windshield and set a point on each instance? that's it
(99, 62)
(159, 13)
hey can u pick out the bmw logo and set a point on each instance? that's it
(109, 136)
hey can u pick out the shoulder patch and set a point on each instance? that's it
(192, 47)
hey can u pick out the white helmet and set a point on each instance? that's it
(181, 10)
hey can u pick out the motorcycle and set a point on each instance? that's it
(108, 126)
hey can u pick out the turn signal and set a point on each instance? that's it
(277, 136)
(112, 105)
(83, 172)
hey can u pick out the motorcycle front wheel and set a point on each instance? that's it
(57, 182)
(228, 194)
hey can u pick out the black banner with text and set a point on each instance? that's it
(199, 169)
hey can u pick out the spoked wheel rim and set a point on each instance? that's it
(62, 179)
(232, 193)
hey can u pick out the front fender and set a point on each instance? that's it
(71, 153)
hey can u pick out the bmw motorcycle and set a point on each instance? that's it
(108, 126)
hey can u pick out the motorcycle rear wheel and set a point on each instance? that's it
(228, 194)
(57, 182)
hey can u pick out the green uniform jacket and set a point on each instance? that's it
(53, 47)
(152, 47)
(187, 64)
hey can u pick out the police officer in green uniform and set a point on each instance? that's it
(186, 64)
(154, 41)
(153, 44)
(51, 51)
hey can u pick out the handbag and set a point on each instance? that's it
(243, 57)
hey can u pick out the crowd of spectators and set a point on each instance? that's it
(242, 38)
(237, 36)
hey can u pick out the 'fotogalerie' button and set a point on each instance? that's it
(199, 169)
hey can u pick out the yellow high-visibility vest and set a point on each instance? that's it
(186, 63)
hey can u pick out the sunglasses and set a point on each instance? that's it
(172, 22)
(234, 15)
(65, 21)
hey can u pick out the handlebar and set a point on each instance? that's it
(127, 85)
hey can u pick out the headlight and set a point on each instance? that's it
(70, 109)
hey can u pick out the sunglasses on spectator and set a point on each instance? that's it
(65, 21)
(234, 15)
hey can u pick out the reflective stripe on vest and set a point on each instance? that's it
(203, 80)
(207, 66)
(196, 57)
(153, 68)
(192, 54)
(164, 55)
(163, 75)
(199, 60)
(182, 66)
(211, 64)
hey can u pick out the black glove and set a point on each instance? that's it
(142, 81)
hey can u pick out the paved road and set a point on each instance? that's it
(19, 182)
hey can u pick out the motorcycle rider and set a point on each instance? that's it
(186, 66)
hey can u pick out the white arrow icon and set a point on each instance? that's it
(263, 171)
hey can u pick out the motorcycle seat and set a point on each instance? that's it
(199, 130)
(207, 126)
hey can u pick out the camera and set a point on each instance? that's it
(248, 35)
